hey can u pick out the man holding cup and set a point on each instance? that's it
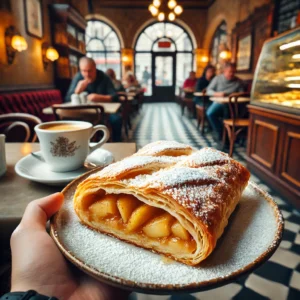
(98, 87)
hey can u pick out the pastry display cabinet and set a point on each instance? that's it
(274, 133)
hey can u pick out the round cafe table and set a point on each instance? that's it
(198, 94)
(224, 100)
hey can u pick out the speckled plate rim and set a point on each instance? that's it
(161, 289)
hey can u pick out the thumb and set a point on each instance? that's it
(39, 211)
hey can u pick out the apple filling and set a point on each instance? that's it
(126, 213)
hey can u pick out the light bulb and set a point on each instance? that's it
(52, 54)
(153, 10)
(172, 4)
(178, 10)
(125, 58)
(225, 54)
(161, 17)
(204, 59)
(18, 43)
(156, 3)
(171, 16)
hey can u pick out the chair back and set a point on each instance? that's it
(237, 109)
(19, 127)
(123, 99)
(89, 113)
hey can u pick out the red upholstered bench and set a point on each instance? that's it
(32, 102)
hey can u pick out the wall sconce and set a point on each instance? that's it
(13, 42)
(225, 55)
(126, 60)
(49, 54)
(204, 59)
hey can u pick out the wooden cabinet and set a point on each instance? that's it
(68, 35)
(274, 150)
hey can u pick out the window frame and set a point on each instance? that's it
(105, 51)
(166, 37)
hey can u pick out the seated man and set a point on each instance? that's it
(221, 86)
(99, 88)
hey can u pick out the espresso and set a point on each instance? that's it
(62, 127)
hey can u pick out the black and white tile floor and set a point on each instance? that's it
(278, 278)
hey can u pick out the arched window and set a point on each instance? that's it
(219, 39)
(163, 37)
(103, 45)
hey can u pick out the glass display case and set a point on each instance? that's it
(276, 82)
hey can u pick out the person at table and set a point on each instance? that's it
(221, 86)
(100, 89)
(190, 82)
(131, 83)
(117, 83)
(202, 83)
(189, 85)
(39, 268)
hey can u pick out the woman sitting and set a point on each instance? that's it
(208, 74)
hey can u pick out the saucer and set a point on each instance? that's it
(36, 170)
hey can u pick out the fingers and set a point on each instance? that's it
(39, 211)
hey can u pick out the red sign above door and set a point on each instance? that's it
(164, 44)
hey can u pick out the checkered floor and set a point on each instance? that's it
(278, 278)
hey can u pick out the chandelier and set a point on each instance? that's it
(162, 8)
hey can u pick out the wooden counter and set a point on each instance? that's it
(273, 150)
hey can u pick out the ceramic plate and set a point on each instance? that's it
(253, 234)
(34, 169)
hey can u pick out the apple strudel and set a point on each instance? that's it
(168, 197)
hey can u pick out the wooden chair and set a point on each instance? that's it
(19, 127)
(201, 112)
(236, 124)
(187, 101)
(125, 112)
(89, 113)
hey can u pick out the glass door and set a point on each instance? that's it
(163, 76)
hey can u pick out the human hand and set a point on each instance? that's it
(82, 85)
(38, 265)
(93, 97)
(219, 94)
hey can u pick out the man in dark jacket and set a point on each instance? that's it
(100, 89)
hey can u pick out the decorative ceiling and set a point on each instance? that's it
(186, 4)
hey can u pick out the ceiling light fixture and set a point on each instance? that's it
(156, 3)
(161, 9)
(161, 17)
(171, 16)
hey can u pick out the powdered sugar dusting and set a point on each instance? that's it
(251, 231)
(134, 162)
(205, 157)
(177, 176)
(160, 146)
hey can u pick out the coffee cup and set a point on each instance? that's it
(65, 144)
(75, 99)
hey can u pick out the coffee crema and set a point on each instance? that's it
(62, 127)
